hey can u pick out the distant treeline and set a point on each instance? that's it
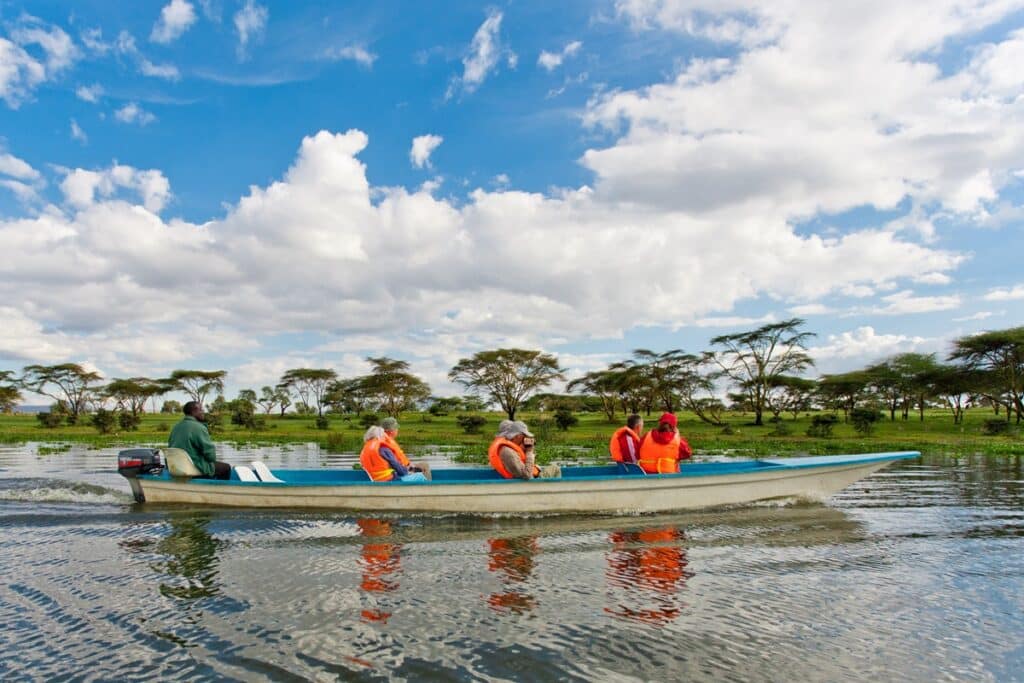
(764, 372)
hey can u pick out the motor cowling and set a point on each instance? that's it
(135, 461)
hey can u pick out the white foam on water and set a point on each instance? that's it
(65, 492)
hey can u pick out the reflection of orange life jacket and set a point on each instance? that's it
(616, 448)
(374, 463)
(656, 458)
(662, 562)
(513, 556)
(494, 455)
(390, 442)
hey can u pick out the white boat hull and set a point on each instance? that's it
(603, 494)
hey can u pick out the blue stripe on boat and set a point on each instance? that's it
(483, 475)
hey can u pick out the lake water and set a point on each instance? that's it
(916, 573)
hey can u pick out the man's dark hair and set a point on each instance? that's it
(633, 420)
(191, 407)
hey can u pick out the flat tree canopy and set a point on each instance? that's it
(67, 382)
(198, 384)
(310, 384)
(392, 386)
(1001, 355)
(753, 359)
(507, 376)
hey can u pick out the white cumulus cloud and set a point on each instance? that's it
(250, 23)
(356, 53)
(1005, 293)
(83, 187)
(553, 60)
(175, 18)
(422, 147)
(77, 133)
(21, 72)
(485, 53)
(133, 113)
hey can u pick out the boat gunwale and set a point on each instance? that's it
(768, 465)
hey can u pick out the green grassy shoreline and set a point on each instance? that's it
(588, 440)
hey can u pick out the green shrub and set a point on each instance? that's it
(128, 422)
(543, 428)
(780, 427)
(104, 420)
(565, 419)
(50, 420)
(471, 424)
(821, 425)
(322, 422)
(369, 420)
(336, 442)
(864, 419)
(995, 427)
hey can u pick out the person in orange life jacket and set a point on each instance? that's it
(390, 427)
(382, 463)
(512, 453)
(625, 442)
(663, 448)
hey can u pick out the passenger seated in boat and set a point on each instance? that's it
(512, 453)
(382, 463)
(390, 427)
(662, 448)
(625, 442)
(192, 436)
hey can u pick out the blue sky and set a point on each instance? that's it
(257, 186)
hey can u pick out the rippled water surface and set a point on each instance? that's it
(916, 573)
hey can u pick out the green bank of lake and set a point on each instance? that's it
(915, 573)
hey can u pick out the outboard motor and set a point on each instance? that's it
(135, 461)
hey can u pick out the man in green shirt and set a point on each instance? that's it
(192, 436)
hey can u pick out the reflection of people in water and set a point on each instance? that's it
(513, 558)
(650, 567)
(379, 561)
(191, 554)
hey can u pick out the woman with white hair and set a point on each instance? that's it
(512, 455)
(380, 462)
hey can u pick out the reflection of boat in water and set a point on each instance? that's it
(379, 560)
(513, 559)
(649, 568)
(483, 491)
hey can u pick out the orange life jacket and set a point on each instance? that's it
(616, 448)
(390, 442)
(374, 463)
(494, 455)
(656, 458)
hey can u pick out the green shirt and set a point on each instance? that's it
(193, 437)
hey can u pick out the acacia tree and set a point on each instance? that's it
(347, 395)
(9, 393)
(131, 394)
(842, 391)
(198, 384)
(789, 394)
(956, 385)
(69, 383)
(267, 399)
(753, 359)
(507, 376)
(283, 396)
(310, 385)
(392, 386)
(600, 383)
(1001, 355)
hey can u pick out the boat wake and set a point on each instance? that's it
(38, 490)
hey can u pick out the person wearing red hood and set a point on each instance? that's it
(662, 448)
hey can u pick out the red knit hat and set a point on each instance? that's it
(668, 418)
